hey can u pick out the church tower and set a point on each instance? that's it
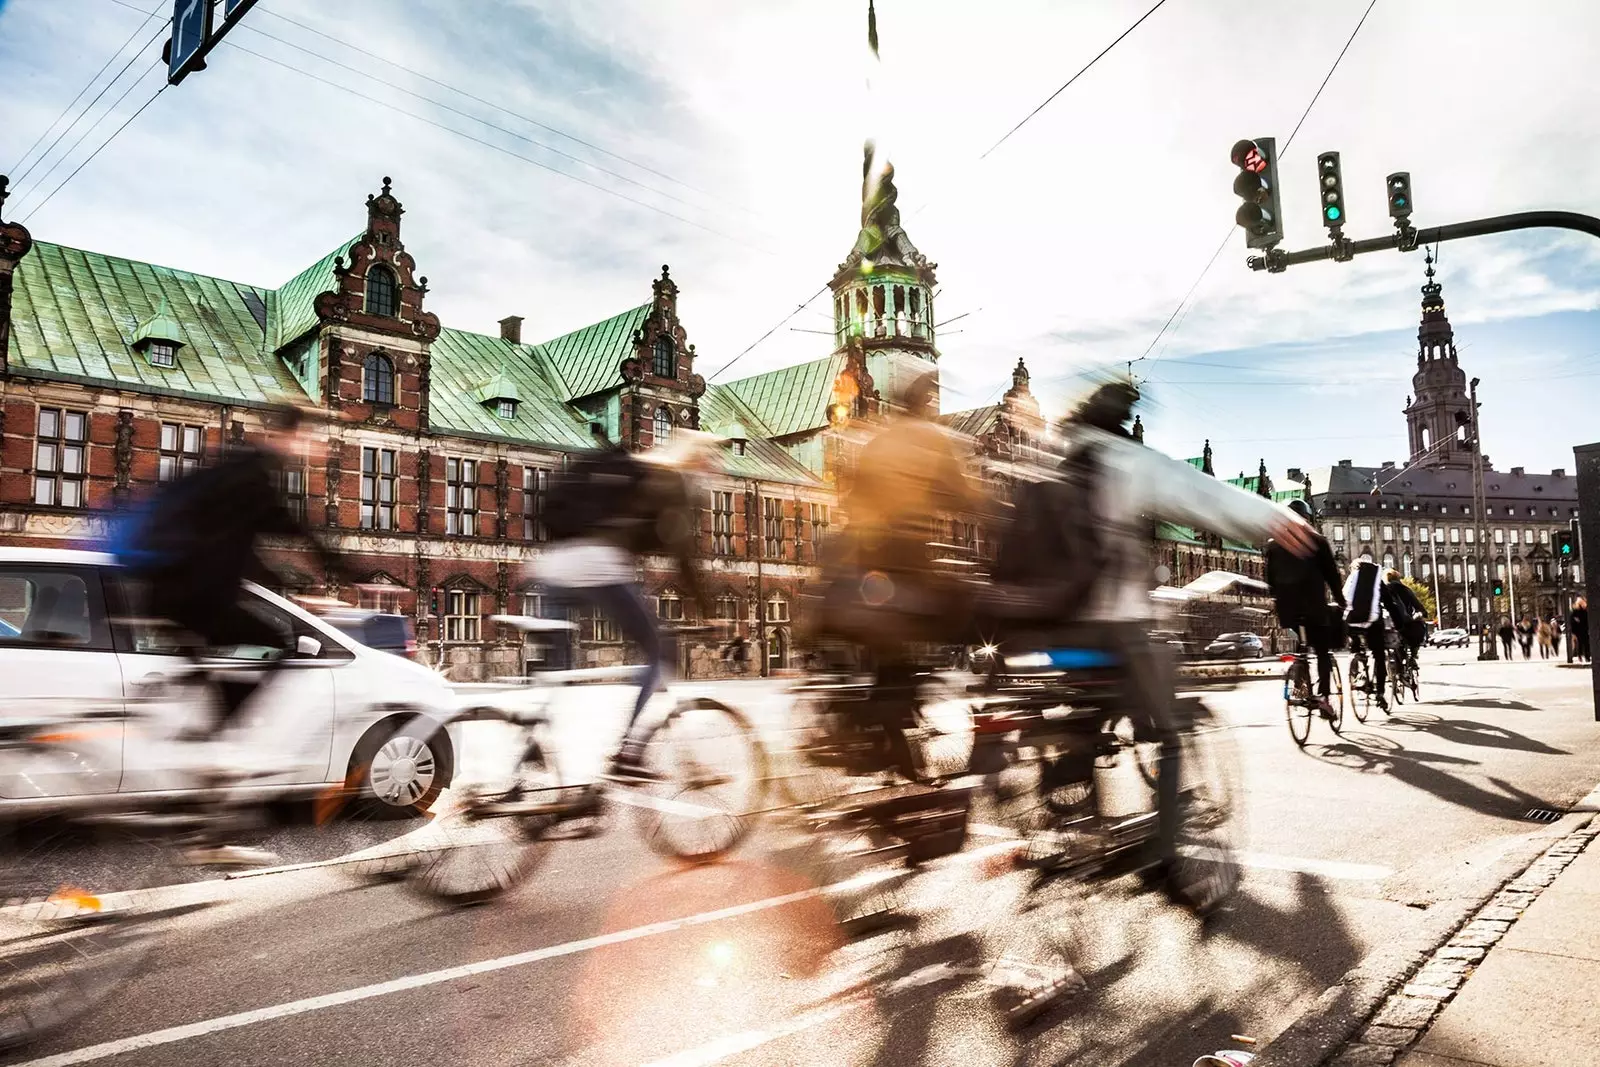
(1434, 417)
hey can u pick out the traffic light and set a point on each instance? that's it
(1565, 545)
(1330, 183)
(433, 602)
(1257, 185)
(1499, 587)
(1399, 195)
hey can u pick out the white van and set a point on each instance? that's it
(337, 713)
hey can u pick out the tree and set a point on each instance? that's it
(1425, 595)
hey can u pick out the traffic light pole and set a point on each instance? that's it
(1407, 239)
(1486, 637)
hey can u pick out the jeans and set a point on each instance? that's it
(625, 604)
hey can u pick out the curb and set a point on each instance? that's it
(1381, 1007)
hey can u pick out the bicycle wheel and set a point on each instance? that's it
(1361, 686)
(1207, 869)
(1397, 681)
(1336, 689)
(493, 842)
(68, 939)
(1297, 702)
(709, 772)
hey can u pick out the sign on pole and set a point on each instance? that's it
(191, 37)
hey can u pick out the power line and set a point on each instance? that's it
(491, 145)
(126, 123)
(775, 328)
(1289, 141)
(86, 87)
(85, 112)
(1084, 69)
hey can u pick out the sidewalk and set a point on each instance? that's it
(1521, 985)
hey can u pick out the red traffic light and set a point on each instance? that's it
(1247, 155)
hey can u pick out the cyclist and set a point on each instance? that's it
(1131, 485)
(1406, 610)
(1363, 613)
(1300, 585)
(197, 540)
(612, 509)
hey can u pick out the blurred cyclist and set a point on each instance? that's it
(196, 542)
(1300, 585)
(610, 509)
(1131, 485)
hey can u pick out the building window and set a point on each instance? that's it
(1544, 537)
(1472, 535)
(661, 364)
(505, 409)
(727, 607)
(722, 523)
(461, 619)
(290, 482)
(1427, 571)
(777, 608)
(377, 488)
(535, 481)
(1338, 533)
(1499, 537)
(60, 458)
(533, 605)
(1388, 533)
(771, 527)
(1455, 572)
(181, 450)
(380, 599)
(669, 606)
(1366, 532)
(663, 427)
(595, 625)
(737, 446)
(461, 497)
(1499, 570)
(1455, 535)
(162, 354)
(819, 527)
(1405, 533)
(377, 380)
(383, 294)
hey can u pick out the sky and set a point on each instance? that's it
(607, 137)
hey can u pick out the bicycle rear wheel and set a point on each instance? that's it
(709, 772)
(1361, 685)
(1397, 681)
(1297, 702)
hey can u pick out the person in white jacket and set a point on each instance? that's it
(1132, 485)
(1363, 614)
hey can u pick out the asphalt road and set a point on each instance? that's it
(612, 955)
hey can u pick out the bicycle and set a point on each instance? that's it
(1300, 700)
(1364, 689)
(689, 805)
(1403, 670)
(68, 940)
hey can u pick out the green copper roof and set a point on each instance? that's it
(721, 412)
(296, 299)
(589, 360)
(500, 387)
(1169, 531)
(77, 313)
(791, 399)
(159, 327)
(1197, 462)
(974, 422)
(462, 362)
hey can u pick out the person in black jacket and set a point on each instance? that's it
(1300, 585)
(201, 542)
(1407, 612)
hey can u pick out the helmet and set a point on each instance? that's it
(1302, 507)
(1108, 407)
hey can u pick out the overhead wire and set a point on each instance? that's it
(86, 87)
(101, 147)
(495, 147)
(1287, 142)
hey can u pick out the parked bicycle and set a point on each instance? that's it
(1300, 699)
(705, 771)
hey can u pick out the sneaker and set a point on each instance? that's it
(628, 765)
(1383, 705)
(1325, 707)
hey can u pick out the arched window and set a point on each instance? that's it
(1425, 439)
(377, 380)
(663, 363)
(383, 293)
(663, 427)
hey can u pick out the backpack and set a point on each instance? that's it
(597, 491)
(1050, 557)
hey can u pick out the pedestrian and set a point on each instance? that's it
(1508, 633)
(1525, 632)
(1580, 628)
(1546, 640)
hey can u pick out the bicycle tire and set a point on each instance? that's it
(687, 795)
(470, 857)
(1296, 703)
(1207, 870)
(1360, 688)
(1397, 681)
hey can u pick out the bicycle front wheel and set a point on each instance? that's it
(1297, 702)
(1361, 686)
(706, 778)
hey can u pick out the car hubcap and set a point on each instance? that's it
(403, 770)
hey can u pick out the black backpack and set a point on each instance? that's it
(1050, 557)
(598, 491)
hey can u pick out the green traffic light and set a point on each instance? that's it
(1332, 213)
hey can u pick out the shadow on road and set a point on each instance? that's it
(1490, 703)
(1470, 732)
(1381, 755)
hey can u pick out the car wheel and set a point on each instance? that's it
(399, 773)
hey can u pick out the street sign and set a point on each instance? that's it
(232, 11)
(191, 37)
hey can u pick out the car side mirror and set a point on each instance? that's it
(308, 647)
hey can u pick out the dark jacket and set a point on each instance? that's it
(207, 526)
(1404, 607)
(1300, 586)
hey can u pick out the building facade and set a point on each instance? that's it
(1420, 517)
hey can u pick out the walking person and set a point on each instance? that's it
(1580, 628)
(1508, 634)
(1525, 631)
(1546, 640)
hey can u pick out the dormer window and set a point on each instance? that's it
(159, 338)
(162, 354)
(383, 292)
(500, 395)
(737, 447)
(662, 362)
(505, 409)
